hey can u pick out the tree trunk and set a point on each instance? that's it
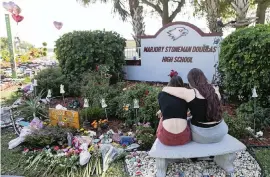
(165, 14)
(260, 13)
(213, 13)
(136, 12)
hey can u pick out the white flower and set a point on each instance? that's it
(124, 89)
(250, 129)
(259, 134)
(92, 133)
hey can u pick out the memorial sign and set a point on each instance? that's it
(179, 46)
(65, 118)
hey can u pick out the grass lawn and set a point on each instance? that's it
(263, 156)
(8, 94)
(12, 160)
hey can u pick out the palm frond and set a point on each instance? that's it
(118, 6)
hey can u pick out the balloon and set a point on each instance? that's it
(17, 18)
(58, 25)
(5, 5)
(9, 6)
(17, 10)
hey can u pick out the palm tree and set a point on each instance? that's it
(135, 12)
(118, 6)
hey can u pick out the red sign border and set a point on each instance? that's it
(198, 30)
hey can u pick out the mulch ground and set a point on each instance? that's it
(264, 141)
(230, 109)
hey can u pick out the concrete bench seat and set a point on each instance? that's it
(223, 151)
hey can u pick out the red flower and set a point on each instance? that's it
(173, 73)
(25, 150)
(56, 148)
(97, 68)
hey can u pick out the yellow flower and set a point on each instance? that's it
(45, 123)
(125, 108)
(81, 129)
(86, 132)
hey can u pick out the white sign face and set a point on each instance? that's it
(179, 46)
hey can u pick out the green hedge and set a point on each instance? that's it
(52, 78)
(244, 63)
(82, 51)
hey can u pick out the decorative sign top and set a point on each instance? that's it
(178, 46)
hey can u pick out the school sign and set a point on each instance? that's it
(178, 46)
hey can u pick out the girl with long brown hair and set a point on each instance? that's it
(203, 99)
(173, 127)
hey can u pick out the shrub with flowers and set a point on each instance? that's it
(100, 124)
(145, 136)
(147, 96)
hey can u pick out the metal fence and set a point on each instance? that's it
(132, 53)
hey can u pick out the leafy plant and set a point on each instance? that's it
(49, 135)
(147, 96)
(81, 51)
(244, 63)
(51, 78)
(32, 106)
(95, 85)
(145, 137)
(112, 96)
(237, 126)
(92, 113)
(250, 111)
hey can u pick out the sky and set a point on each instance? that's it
(37, 26)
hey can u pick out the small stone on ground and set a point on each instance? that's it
(141, 164)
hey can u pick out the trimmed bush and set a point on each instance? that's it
(244, 63)
(52, 78)
(82, 51)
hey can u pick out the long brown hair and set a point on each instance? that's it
(176, 81)
(197, 80)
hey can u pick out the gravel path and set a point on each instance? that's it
(140, 164)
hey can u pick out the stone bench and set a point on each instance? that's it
(223, 151)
